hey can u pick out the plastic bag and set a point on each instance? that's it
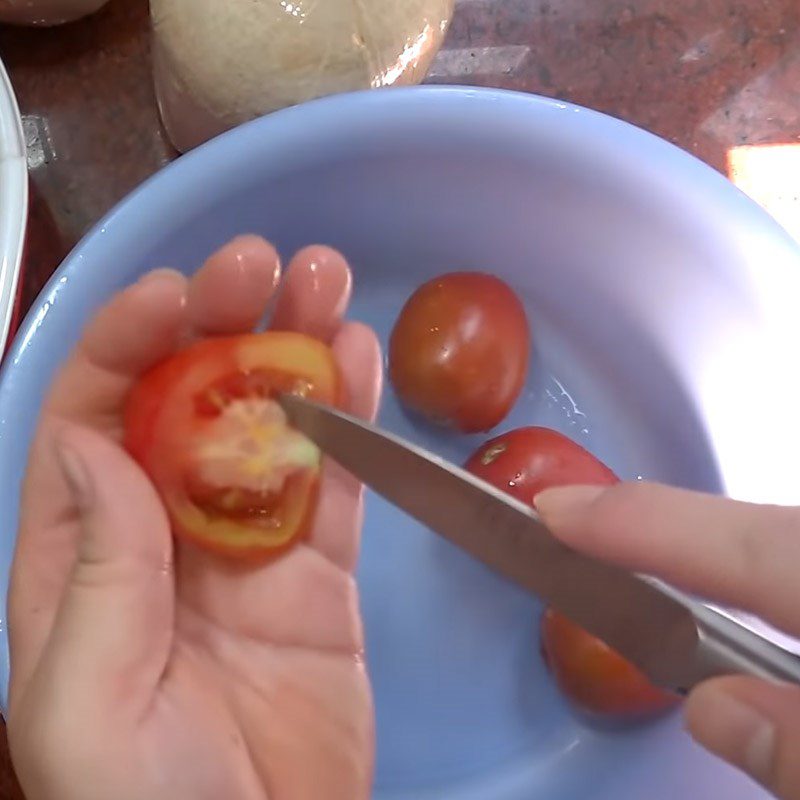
(219, 63)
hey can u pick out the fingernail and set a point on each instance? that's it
(162, 275)
(567, 499)
(76, 476)
(739, 733)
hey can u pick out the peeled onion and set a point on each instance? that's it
(219, 63)
(46, 12)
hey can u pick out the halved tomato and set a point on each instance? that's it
(206, 427)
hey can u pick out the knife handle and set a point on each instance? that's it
(727, 647)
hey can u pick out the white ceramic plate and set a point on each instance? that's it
(13, 201)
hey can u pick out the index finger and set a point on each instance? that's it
(739, 554)
(139, 327)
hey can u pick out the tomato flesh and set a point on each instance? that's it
(594, 677)
(459, 351)
(207, 427)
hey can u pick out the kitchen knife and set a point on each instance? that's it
(675, 639)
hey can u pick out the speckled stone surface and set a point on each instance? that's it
(709, 75)
(705, 74)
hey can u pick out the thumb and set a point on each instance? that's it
(113, 629)
(753, 725)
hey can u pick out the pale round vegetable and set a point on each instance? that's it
(46, 12)
(219, 64)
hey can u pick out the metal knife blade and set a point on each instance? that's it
(674, 639)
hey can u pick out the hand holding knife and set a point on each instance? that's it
(674, 639)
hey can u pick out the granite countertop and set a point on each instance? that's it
(715, 77)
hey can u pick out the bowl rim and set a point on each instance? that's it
(13, 201)
(331, 107)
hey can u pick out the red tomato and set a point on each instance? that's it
(595, 677)
(523, 463)
(527, 461)
(459, 351)
(234, 477)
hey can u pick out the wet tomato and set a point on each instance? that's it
(205, 425)
(597, 680)
(527, 461)
(459, 351)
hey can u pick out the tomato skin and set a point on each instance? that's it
(459, 351)
(526, 461)
(184, 427)
(599, 681)
(596, 678)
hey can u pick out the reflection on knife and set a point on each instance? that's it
(674, 639)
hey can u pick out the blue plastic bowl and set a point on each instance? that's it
(663, 304)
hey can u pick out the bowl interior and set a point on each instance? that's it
(657, 298)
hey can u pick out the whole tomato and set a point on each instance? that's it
(597, 679)
(459, 351)
(527, 461)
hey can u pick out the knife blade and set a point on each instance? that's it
(675, 639)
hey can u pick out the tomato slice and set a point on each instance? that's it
(207, 428)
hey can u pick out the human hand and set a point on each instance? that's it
(139, 672)
(742, 555)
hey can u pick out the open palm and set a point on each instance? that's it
(139, 671)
